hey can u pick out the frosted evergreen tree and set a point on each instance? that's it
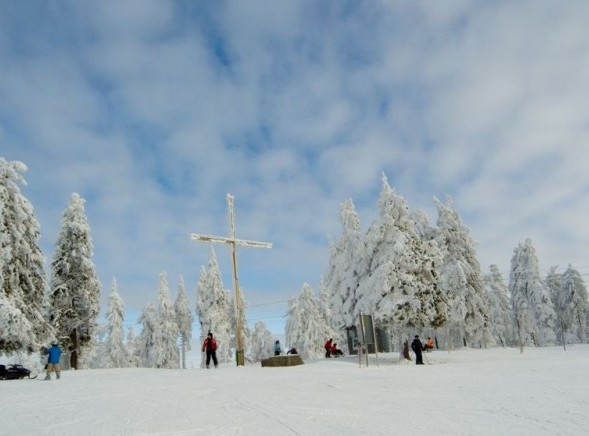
(166, 333)
(115, 350)
(572, 305)
(145, 345)
(532, 306)
(74, 295)
(499, 307)
(261, 343)
(131, 344)
(184, 319)
(23, 326)
(306, 329)
(346, 265)
(213, 309)
(461, 278)
(399, 287)
(553, 282)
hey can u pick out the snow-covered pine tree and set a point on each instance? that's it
(553, 282)
(145, 343)
(306, 329)
(499, 308)
(573, 305)
(213, 309)
(532, 307)
(461, 278)
(131, 345)
(74, 294)
(399, 286)
(166, 334)
(184, 319)
(23, 281)
(292, 320)
(261, 343)
(115, 350)
(346, 266)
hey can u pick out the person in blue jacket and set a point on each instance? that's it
(54, 353)
(277, 348)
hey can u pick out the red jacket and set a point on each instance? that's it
(209, 344)
(328, 344)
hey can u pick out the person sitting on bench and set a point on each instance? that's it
(429, 344)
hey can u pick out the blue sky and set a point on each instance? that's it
(153, 110)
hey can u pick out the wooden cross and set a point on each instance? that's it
(234, 242)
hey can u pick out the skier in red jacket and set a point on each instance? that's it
(328, 347)
(210, 347)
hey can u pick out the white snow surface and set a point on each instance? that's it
(544, 391)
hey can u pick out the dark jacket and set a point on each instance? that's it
(417, 346)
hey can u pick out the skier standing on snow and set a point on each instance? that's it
(54, 353)
(277, 348)
(417, 348)
(210, 347)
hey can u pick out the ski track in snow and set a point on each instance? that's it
(466, 392)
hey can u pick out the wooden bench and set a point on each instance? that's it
(289, 360)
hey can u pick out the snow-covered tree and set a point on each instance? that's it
(346, 265)
(115, 351)
(131, 344)
(145, 344)
(532, 306)
(571, 305)
(553, 282)
(184, 319)
(461, 278)
(74, 295)
(166, 333)
(23, 282)
(306, 329)
(399, 287)
(261, 342)
(213, 308)
(499, 307)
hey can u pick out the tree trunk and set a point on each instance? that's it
(74, 349)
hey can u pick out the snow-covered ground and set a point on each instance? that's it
(467, 392)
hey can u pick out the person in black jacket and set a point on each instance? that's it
(417, 348)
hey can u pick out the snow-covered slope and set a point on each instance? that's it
(467, 392)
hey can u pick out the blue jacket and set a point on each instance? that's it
(54, 354)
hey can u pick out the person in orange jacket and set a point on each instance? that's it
(210, 347)
(429, 344)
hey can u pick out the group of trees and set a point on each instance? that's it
(33, 310)
(414, 277)
(162, 328)
(409, 275)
